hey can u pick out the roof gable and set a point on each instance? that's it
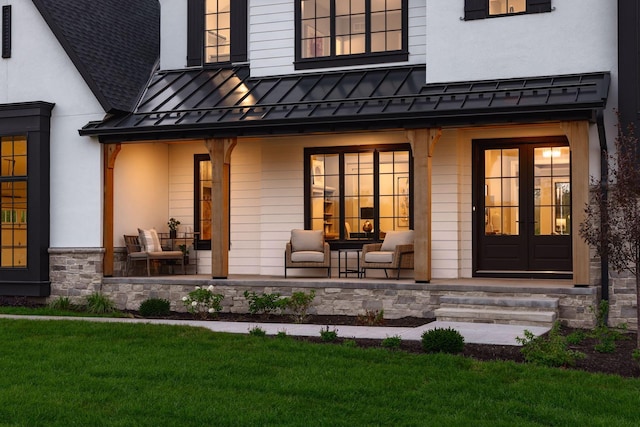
(114, 44)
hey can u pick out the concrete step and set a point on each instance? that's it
(482, 314)
(513, 303)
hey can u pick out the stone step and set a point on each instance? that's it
(482, 314)
(514, 303)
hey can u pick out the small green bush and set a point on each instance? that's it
(99, 303)
(392, 343)
(155, 307)
(443, 340)
(257, 331)
(299, 303)
(328, 335)
(265, 303)
(605, 336)
(550, 350)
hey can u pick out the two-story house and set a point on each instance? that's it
(476, 123)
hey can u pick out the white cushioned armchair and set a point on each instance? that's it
(307, 249)
(394, 253)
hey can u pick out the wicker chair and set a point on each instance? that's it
(307, 249)
(395, 253)
(135, 252)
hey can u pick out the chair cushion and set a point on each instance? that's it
(307, 256)
(149, 240)
(384, 257)
(307, 240)
(166, 254)
(395, 238)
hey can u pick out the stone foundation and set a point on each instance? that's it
(75, 272)
(348, 298)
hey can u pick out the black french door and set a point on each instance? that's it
(522, 208)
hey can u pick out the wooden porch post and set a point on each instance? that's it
(220, 154)
(578, 135)
(423, 142)
(109, 157)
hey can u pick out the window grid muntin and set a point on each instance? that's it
(13, 202)
(217, 31)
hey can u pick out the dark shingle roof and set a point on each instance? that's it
(114, 44)
(200, 102)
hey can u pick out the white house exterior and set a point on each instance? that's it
(476, 126)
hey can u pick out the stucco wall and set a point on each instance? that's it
(39, 70)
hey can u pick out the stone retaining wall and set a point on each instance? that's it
(75, 272)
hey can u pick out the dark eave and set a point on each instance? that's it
(228, 102)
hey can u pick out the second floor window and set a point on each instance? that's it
(217, 32)
(481, 9)
(350, 32)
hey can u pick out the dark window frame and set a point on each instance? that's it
(349, 60)
(33, 120)
(342, 242)
(195, 34)
(202, 245)
(479, 9)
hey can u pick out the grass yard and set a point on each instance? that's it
(68, 373)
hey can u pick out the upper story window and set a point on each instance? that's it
(350, 32)
(217, 32)
(480, 9)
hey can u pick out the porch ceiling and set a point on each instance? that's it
(228, 102)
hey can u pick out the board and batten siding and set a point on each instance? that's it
(272, 36)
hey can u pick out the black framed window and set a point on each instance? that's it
(481, 9)
(357, 194)
(350, 32)
(24, 191)
(202, 200)
(13, 202)
(217, 32)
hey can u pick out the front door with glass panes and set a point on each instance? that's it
(522, 207)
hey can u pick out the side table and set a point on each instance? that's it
(346, 269)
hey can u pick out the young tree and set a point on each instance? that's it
(612, 221)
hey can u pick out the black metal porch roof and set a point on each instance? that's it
(228, 102)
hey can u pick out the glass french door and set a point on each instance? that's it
(522, 209)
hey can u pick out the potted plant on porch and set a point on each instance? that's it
(173, 227)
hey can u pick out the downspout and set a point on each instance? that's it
(604, 216)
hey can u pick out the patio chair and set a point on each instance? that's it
(394, 253)
(307, 249)
(146, 247)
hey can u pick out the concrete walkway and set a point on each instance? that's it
(473, 333)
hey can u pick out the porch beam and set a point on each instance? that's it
(109, 157)
(577, 133)
(423, 143)
(220, 154)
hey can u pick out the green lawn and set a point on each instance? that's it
(80, 373)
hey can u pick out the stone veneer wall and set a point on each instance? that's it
(349, 298)
(75, 272)
(622, 300)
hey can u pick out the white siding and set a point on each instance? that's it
(578, 36)
(173, 34)
(39, 70)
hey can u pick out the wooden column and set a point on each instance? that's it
(109, 157)
(422, 144)
(220, 154)
(578, 135)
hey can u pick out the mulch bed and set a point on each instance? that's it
(619, 362)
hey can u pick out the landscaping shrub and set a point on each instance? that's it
(62, 303)
(155, 307)
(605, 336)
(202, 302)
(257, 331)
(265, 303)
(371, 318)
(392, 343)
(299, 303)
(550, 350)
(443, 340)
(328, 335)
(99, 303)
